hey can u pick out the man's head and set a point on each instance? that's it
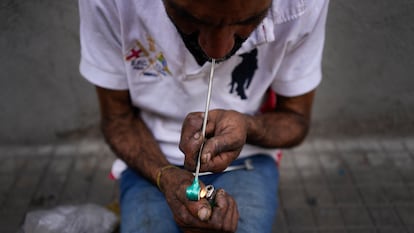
(216, 28)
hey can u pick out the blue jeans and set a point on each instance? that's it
(144, 208)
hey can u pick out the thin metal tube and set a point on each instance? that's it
(203, 129)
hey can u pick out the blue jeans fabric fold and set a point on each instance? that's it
(144, 208)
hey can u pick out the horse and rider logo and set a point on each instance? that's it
(242, 75)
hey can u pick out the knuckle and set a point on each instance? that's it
(193, 119)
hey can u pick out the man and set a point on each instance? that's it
(150, 62)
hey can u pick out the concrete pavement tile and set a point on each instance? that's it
(301, 230)
(289, 177)
(25, 151)
(102, 189)
(388, 175)
(17, 202)
(356, 159)
(79, 180)
(376, 158)
(312, 175)
(51, 186)
(340, 176)
(287, 160)
(399, 155)
(299, 217)
(406, 213)
(408, 175)
(306, 160)
(36, 166)
(20, 194)
(332, 231)
(6, 183)
(392, 144)
(356, 217)
(322, 145)
(279, 225)
(370, 144)
(409, 144)
(328, 217)
(66, 149)
(11, 221)
(391, 230)
(26, 182)
(346, 195)
(6, 151)
(405, 164)
(10, 165)
(377, 175)
(398, 194)
(85, 166)
(59, 166)
(292, 197)
(347, 145)
(373, 195)
(45, 150)
(105, 162)
(361, 230)
(320, 195)
(365, 176)
(330, 160)
(17, 151)
(334, 168)
(47, 195)
(305, 147)
(89, 146)
(384, 216)
(411, 189)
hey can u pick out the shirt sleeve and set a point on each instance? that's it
(301, 68)
(101, 60)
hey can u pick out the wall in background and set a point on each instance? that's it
(368, 86)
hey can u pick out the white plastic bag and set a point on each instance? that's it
(87, 218)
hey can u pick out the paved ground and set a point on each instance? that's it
(358, 185)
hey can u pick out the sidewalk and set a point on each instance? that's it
(358, 185)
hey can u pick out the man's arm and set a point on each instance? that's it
(285, 127)
(134, 143)
(127, 134)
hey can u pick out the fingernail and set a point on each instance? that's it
(206, 157)
(203, 214)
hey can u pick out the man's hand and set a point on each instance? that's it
(226, 134)
(198, 216)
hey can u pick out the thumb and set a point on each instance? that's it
(204, 213)
(200, 209)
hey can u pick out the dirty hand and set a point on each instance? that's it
(197, 216)
(224, 217)
(226, 134)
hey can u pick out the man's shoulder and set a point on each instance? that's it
(283, 11)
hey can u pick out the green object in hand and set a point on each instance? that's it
(193, 191)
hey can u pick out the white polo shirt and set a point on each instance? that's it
(132, 45)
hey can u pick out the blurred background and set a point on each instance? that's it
(368, 86)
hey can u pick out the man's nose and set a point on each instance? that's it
(216, 42)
